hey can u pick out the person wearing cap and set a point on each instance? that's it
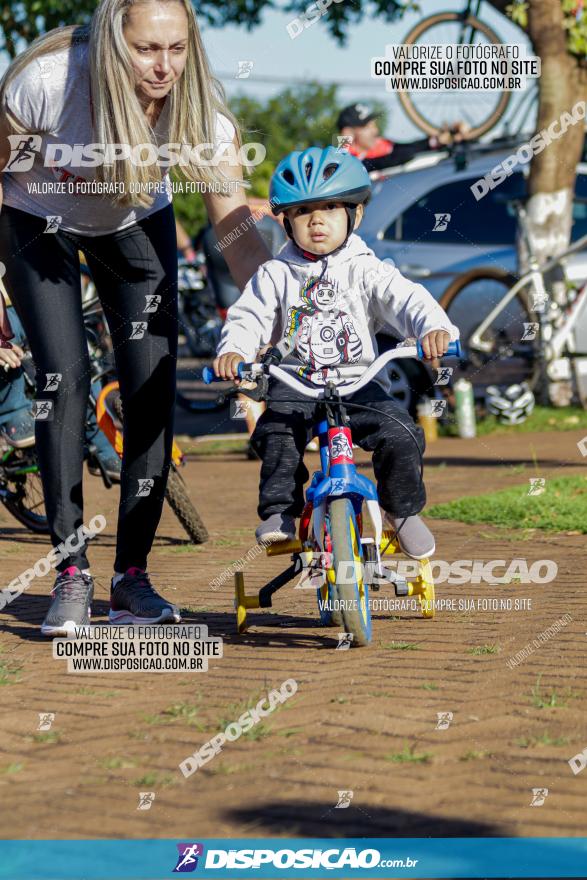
(358, 122)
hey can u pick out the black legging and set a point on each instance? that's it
(43, 281)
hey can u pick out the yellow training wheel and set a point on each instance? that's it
(242, 602)
(423, 588)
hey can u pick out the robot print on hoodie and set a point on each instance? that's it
(322, 335)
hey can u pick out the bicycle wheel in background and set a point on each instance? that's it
(347, 560)
(177, 497)
(467, 301)
(431, 110)
(21, 490)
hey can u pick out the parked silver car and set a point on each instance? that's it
(425, 217)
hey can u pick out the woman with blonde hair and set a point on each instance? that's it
(90, 118)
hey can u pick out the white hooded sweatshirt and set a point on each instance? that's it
(328, 311)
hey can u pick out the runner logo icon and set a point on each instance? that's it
(187, 859)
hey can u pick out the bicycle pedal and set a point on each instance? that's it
(389, 544)
(281, 548)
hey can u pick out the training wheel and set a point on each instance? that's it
(239, 602)
(425, 590)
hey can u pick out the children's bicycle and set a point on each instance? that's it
(338, 559)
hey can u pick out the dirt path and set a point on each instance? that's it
(362, 721)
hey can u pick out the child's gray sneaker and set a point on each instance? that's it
(278, 527)
(415, 538)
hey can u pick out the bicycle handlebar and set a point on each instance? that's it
(412, 351)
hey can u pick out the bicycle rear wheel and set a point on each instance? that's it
(177, 497)
(430, 110)
(467, 301)
(347, 558)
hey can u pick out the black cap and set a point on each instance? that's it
(356, 115)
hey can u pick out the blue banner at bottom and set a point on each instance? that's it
(417, 858)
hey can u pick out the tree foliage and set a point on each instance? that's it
(23, 21)
(27, 19)
(291, 120)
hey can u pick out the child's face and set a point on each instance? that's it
(320, 227)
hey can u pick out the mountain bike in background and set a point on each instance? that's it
(527, 326)
(431, 110)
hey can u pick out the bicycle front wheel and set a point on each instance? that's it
(510, 358)
(347, 558)
(22, 490)
(431, 110)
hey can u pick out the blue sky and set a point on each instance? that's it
(315, 55)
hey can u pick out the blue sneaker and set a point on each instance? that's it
(19, 430)
(110, 461)
(135, 600)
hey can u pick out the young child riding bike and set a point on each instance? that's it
(323, 299)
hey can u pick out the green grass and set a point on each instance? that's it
(529, 742)
(184, 711)
(561, 507)
(543, 418)
(223, 769)
(50, 736)
(429, 686)
(551, 700)
(475, 755)
(235, 710)
(9, 672)
(484, 649)
(197, 609)
(92, 692)
(115, 763)
(400, 646)
(259, 731)
(217, 447)
(154, 779)
(408, 756)
(11, 768)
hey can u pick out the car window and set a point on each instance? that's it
(487, 221)
(579, 228)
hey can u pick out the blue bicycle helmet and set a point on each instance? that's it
(316, 175)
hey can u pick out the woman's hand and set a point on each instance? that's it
(226, 366)
(10, 358)
(435, 344)
(453, 134)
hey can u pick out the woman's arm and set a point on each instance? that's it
(230, 213)
(5, 130)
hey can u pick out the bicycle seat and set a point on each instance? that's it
(225, 290)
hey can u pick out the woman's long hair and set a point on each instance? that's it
(118, 116)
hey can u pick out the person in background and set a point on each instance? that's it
(17, 426)
(184, 243)
(358, 123)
